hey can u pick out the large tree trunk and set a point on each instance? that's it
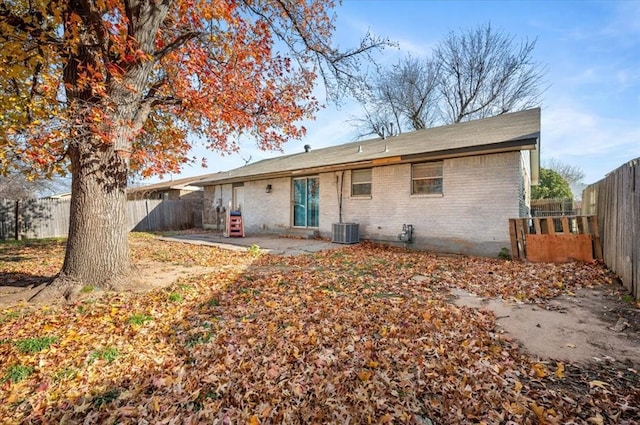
(104, 125)
(97, 252)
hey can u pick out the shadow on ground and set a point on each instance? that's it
(21, 280)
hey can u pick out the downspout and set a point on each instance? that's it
(340, 196)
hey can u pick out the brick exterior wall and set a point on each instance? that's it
(267, 212)
(261, 212)
(525, 184)
(480, 194)
(215, 199)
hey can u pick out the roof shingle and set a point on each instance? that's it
(513, 131)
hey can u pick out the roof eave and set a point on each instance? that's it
(529, 143)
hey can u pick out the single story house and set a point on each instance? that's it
(455, 185)
(169, 190)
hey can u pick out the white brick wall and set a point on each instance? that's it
(329, 211)
(261, 211)
(215, 197)
(480, 194)
(525, 189)
(267, 212)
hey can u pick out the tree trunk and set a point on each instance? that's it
(105, 124)
(97, 250)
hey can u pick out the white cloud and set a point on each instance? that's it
(596, 143)
(416, 49)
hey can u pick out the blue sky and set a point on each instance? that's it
(590, 111)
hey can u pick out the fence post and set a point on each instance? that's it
(597, 244)
(17, 219)
(146, 206)
(514, 240)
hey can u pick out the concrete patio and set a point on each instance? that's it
(272, 244)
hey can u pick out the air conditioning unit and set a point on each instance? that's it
(345, 233)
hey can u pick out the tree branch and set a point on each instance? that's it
(176, 44)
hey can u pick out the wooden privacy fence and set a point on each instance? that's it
(553, 207)
(555, 239)
(157, 214)
(33, 218)
(49, 218)
(616, 201)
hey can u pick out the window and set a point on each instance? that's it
(426, 178)
(361, 182)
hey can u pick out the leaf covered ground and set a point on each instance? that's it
(340, 336)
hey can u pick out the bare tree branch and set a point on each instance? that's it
(571, 173)
(340, 70)
(378, 122)
(176, 44)
(16, 186)
(473, 74)
(405, 95)
(485, 73)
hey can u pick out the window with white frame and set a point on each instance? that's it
(426, 178)
(361, 182)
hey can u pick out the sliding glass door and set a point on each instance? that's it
(306, 202)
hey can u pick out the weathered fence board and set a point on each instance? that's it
(155, 214)
(559, 248)
(7, 219)
(555, 239)
(34, 218)
(616, 201)
(49, 218)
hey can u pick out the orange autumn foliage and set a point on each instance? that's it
(194, 70)
(107, 88)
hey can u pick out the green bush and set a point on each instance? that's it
(504, 254)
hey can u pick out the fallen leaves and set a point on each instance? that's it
(539, 370)
(344, 336)
(597, 383)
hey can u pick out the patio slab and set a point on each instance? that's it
(272, 244)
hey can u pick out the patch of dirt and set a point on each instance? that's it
(146, 276)
(594, 325)
(150, 275)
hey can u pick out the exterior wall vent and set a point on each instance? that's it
(346, 233)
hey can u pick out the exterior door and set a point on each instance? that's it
(306, 202)
(238, 198)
